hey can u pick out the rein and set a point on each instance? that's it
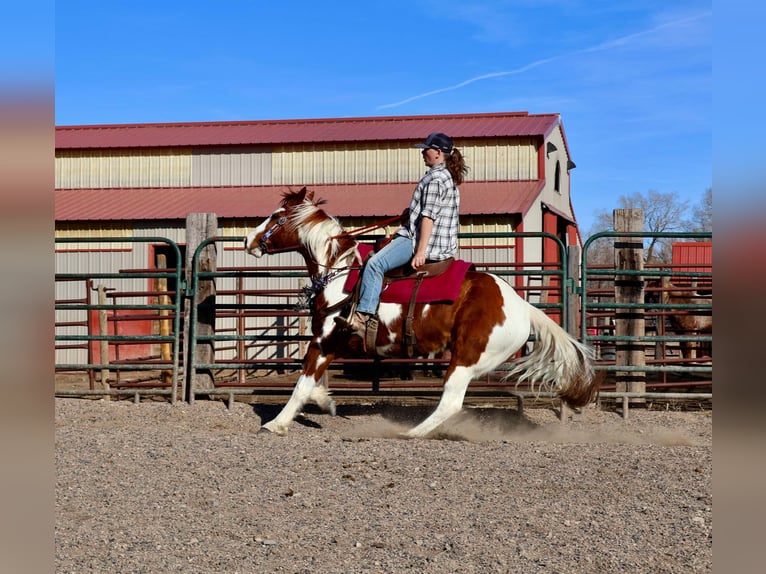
(366, 228)
(318, 282)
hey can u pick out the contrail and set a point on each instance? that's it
(597, 48)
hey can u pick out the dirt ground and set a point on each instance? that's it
(154, 487)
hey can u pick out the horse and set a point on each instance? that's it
(485, 326)
(691, 322)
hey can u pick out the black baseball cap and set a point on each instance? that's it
(437, 140)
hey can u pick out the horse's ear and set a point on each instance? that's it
(309, 194)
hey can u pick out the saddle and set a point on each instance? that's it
(432, 269)
(437, 281)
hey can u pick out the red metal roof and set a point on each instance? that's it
(245, 202)
(389, 128)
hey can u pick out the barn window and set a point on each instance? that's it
(557, 178)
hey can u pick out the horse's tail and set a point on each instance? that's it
(558, 362)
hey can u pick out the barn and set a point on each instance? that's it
(122, 182)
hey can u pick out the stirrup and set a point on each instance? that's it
(357, 325)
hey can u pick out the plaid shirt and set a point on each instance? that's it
(438, 198)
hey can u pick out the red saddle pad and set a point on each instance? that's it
(444, 287)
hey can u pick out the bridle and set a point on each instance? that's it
(265, 246)
(318, 282)
(263, 242)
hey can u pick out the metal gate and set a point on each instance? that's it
(104, 313)
(258, 333)
(663, 362)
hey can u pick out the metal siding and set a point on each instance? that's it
(501, 160)
(94, 229)
(693, 253)
(475, 249)
(130, 168)
(231, 166)
(393, 128)
(293, 165)
(374, 199)
(315, 165)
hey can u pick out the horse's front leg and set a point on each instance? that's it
(311, 387)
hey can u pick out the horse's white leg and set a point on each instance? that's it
(504, 338)
(450, 403)
(311, 386)
(320, 394)
(303, 391)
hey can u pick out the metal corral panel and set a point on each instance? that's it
(127, 168)
(231, 166)
(94, 258)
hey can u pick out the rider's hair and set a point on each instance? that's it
(456, 165)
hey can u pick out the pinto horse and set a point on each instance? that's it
(486, 324)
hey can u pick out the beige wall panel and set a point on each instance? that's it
(489, 161)
(298, 165)
(124, 168)
(493, 161)
(287, 165)
(93, 229)
(231, 166)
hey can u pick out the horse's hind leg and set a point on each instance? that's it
(451, 402)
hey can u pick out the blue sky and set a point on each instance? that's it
(631, 80)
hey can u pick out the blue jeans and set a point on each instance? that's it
(397, 252)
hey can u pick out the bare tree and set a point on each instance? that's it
(663, 213)
(703, 213)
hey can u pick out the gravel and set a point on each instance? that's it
(160, 488)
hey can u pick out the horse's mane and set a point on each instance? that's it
(314, 226)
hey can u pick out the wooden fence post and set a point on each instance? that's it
(571, 312)
(571, 281)
(199, 227)
(164, 321)
(103, 327)
(629, 289)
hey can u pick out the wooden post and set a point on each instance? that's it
(572, 310)
(103, 328)
(199, 227)
(629, 289)
(572, 278)
(164, 322)
(241, 329)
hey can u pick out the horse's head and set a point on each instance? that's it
(278, 232)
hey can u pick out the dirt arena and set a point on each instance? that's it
(153, 487)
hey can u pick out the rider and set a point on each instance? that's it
(429, 235)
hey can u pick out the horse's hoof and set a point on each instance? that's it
(331, 408)
(264, 430)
